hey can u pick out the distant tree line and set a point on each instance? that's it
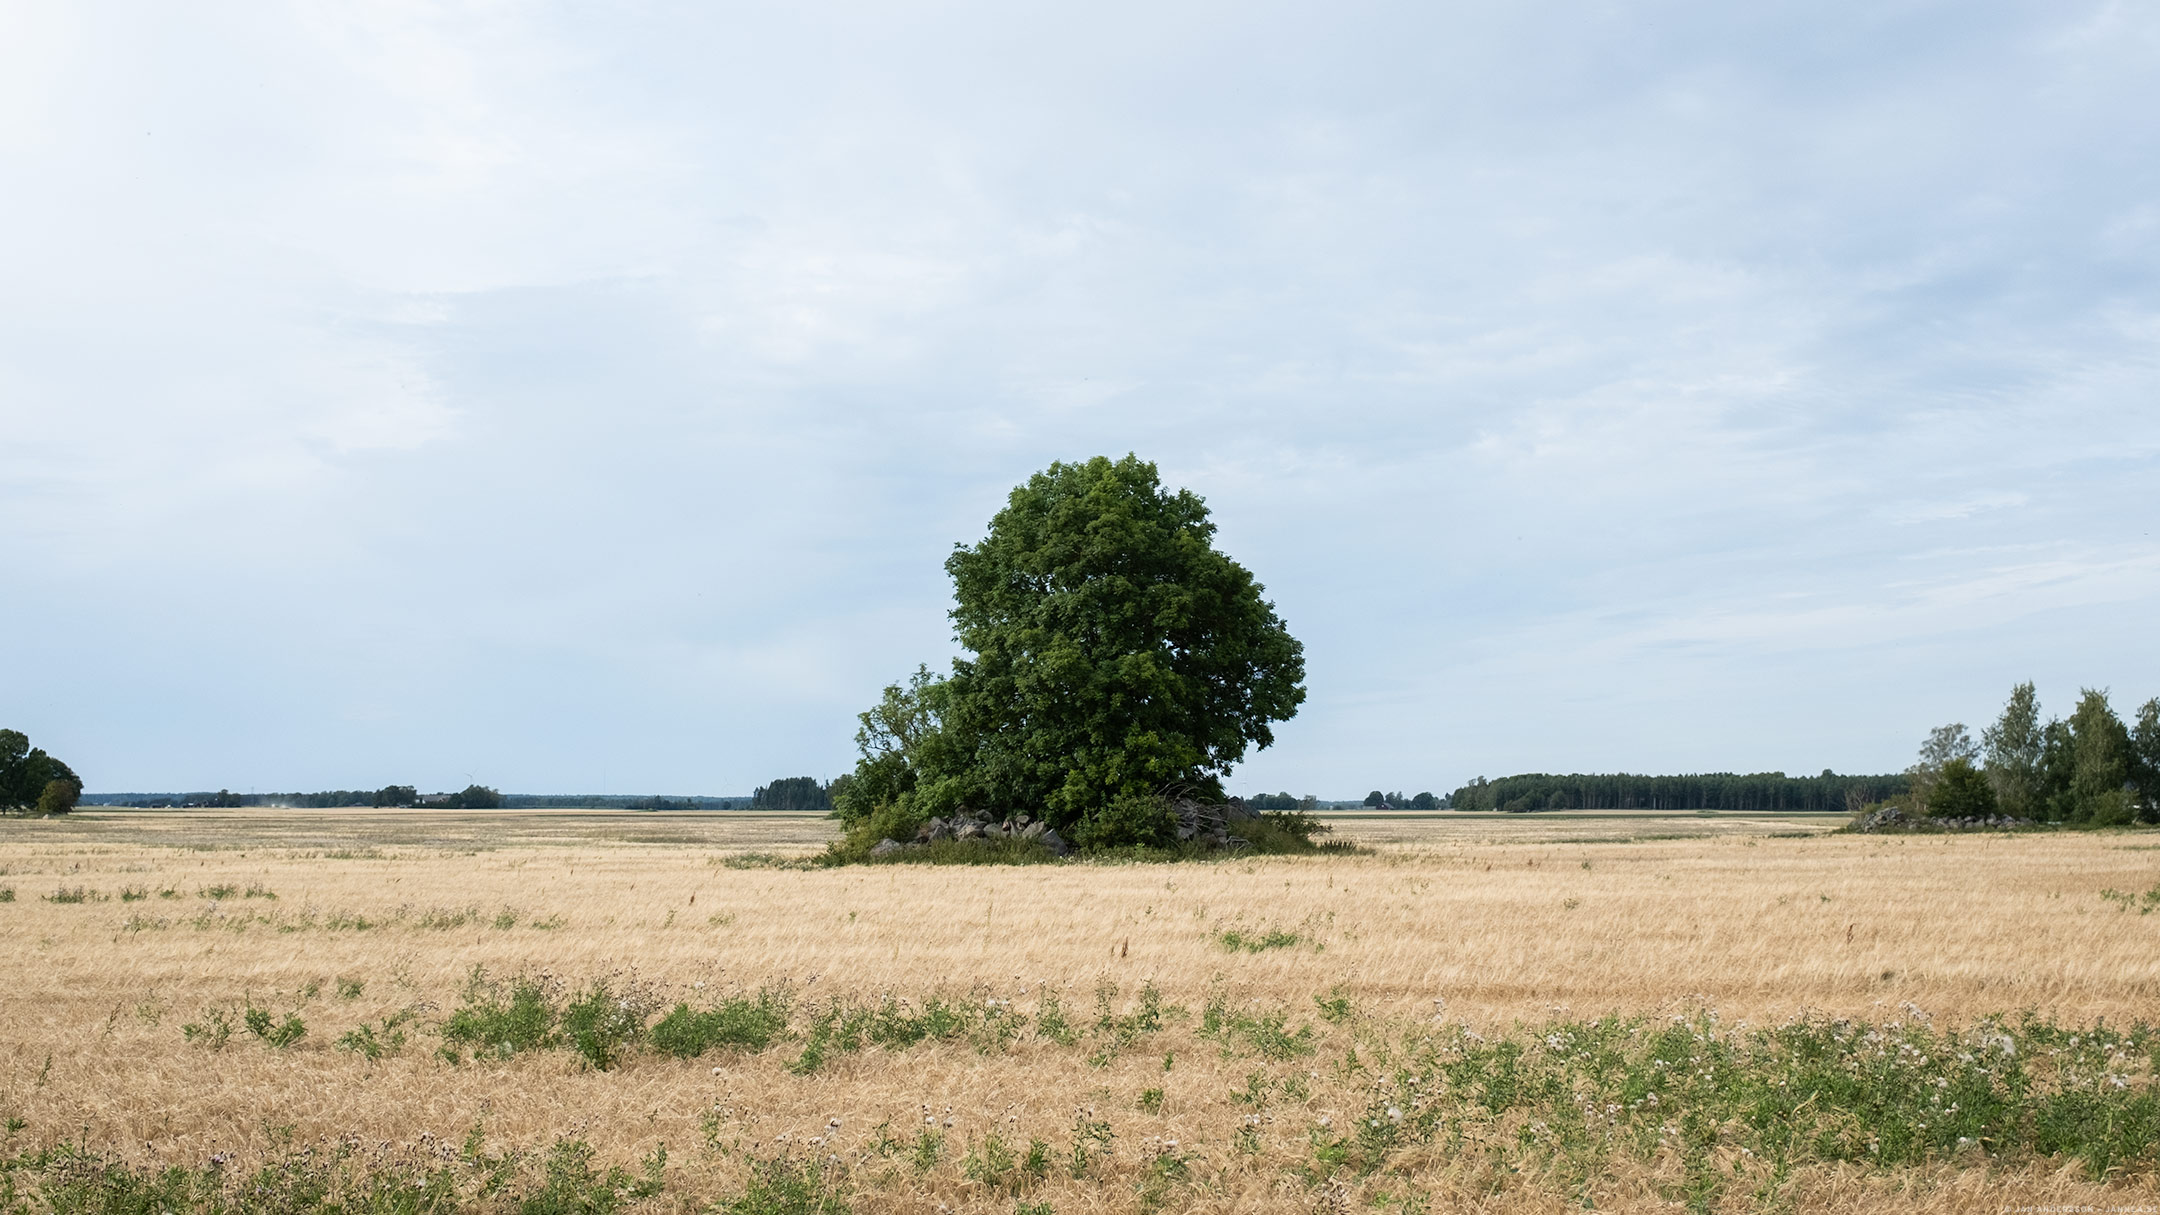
(792, 793)
(1761, 791)
(591, 801)
(32, 782)
(2091, 770)
(1396, 801)
(388, 795)
(1282, 801)
(471, 797)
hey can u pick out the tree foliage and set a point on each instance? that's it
(2013, 748)
(28, 777)
(1944, 745)
(471, 797)
(1112, 653)
(2091, 769)
(792, 793)
(1961, 790)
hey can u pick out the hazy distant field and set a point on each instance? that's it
(1295, 997)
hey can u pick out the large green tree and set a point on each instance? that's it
(1114, 652)
(1944, 744)
(2014, 746)
(25, 774)
(2145, 766)
(2099, 791)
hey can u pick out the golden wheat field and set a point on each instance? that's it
(1289, 999)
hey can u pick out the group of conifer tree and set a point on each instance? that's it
(2092, 769)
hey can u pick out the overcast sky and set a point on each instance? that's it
(585, 397)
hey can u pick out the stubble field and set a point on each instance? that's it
(1633, 1012)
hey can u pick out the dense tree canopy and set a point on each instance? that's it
(2092, 769)
(1113, 652)
(792, 793)
(471, 797)
(33, 782)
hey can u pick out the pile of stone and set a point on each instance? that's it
(968, 824)
(1895, 818)
(1209, 823)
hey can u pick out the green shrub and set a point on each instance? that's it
(1002, 1166)
(1142, 820)
(276, 1033)
(1288, 832)
(504, 1019)
(338, 1181)
(213, 1031)
(569, 1185)
(1050, 1022)
(601, 1023)
(785, 1186)
(365, 1041)
(1117, 1032)
(1961, 790)
(1266, 1034)
(1236, 940)
(749, 1023)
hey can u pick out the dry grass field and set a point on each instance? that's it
(1295, 1001)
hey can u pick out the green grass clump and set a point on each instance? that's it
(601, 1023)
(1572, 1097)
(371, 1043)
(501, 1019)
(786, 1186)
(213, 1031)
(334, 1178)
(273, 1032)
(747, 1023)
(2146, 904)
(1238, 940)
(1267, 1034)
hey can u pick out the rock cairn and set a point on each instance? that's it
(1211, 824)
(1895, 818)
